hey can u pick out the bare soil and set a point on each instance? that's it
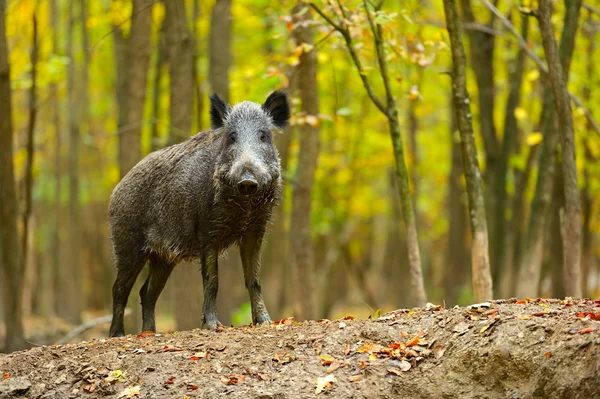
(516, 349)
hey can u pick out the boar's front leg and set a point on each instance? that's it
(210, 281)
(250, 253)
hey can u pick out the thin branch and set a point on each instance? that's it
(329, 20)
(86, 326)
(591, 8)
(348, 39)
(543, 68)
(377, 35)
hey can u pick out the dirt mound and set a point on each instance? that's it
(516, 349)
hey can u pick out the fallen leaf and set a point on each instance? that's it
(224, 380)
(114, 375)
(171, 349)
(327, 360)
(362, 365)
(413, 341)
(130, 392)
(334, 366)
(323, 382)
(351, 317)
(404, 365)
(586, 330)
(89, 388)
(548, 355)
(354, 378)
(521, 302)
(523, 317)
(342, 325)
(193, 387)
(347, 350)
(6, 375)
(372, 357)
(145, 334)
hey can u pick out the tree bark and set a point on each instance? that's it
(181, 70)
(530, 262)
(133, 56)
(55, 300)
(161, 58)
(458, 253)
(303, 266)
(9, 238)
(482, 46)
(572, 217)
(482, 279)
(219, 49)
(504, 233)
(30, 156)
(70, 274)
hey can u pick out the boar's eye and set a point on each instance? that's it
(263, 136)
(232, 137)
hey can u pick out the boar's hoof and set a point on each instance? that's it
(212, 325)
(261, 319)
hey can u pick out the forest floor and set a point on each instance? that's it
(507, 348)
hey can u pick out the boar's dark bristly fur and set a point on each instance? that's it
(195, 199)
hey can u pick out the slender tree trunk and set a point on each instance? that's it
(303, 267)
(56, 247)
(458, 253)
(198, 83)
(219, 49)
(572, 219)
(503, 231)
(482, 279)
(133, 56)
(161, 57)
(555, 237)
(482, 46)
(181, 70)
(9, 238)
(530, 262)
(30, 156)
(70, 277)
(586, 195)
(389, 109)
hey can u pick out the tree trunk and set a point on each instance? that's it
(458, 263)
(161, 57)
(198, 83)
(70, 274)
(56, 247)
(530, 262)
(572, 216)
(303, 267)
(181, 70)
(30, 157)
(219, 49)
(133, 57)
(504, 248)
(482, 46)
(9, 238)
(482, 279)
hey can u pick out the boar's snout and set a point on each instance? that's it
(247, 184)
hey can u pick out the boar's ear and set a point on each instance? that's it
(218, 111)
(278, 107)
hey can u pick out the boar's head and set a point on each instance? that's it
(248, 161)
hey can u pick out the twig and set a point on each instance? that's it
(591, 8)
(539, 62)
(86, 326)
(348, 39)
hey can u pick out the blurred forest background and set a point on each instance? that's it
(96, 85)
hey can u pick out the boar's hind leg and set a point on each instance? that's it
(250, 253)
(128, 270)
(210, 281)
(158, 275)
